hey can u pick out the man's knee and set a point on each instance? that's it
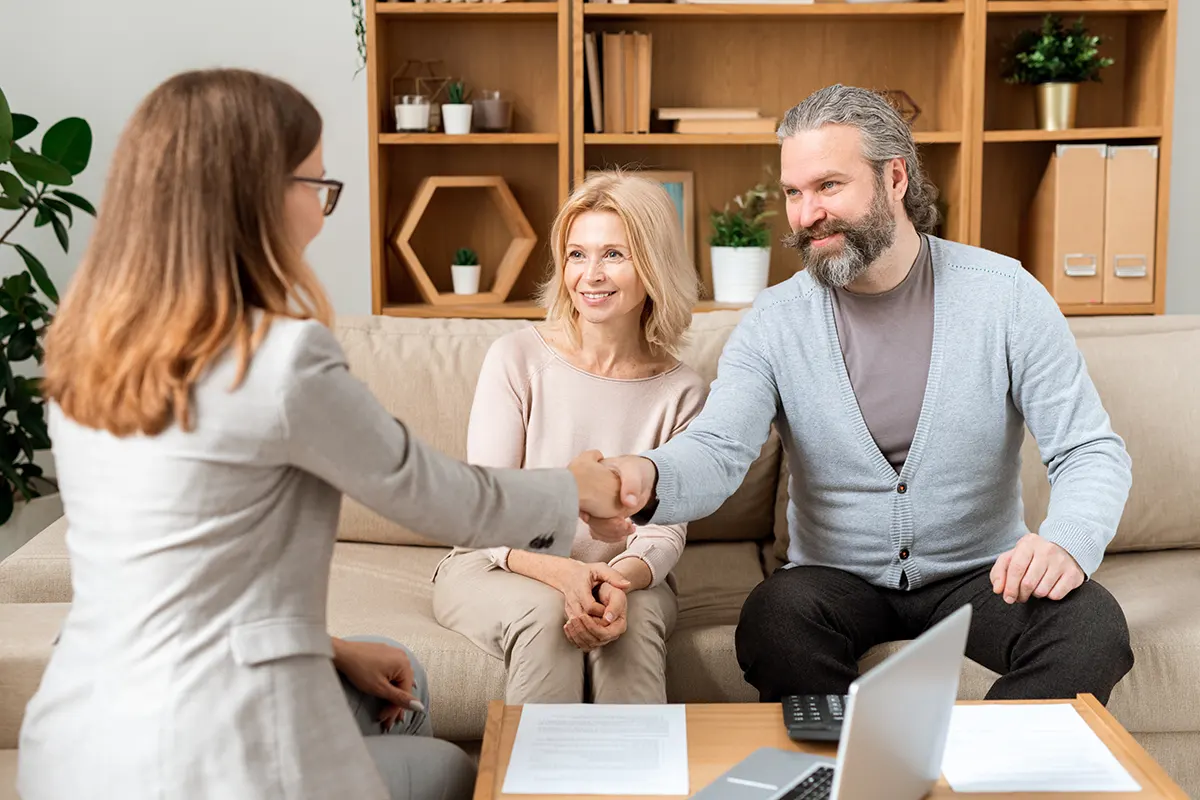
(1100, 627)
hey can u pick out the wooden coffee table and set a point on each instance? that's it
(720, 735)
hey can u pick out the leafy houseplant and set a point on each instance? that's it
(740, 246)
(30, 188)
(465, 271)
(456, 112)
(1056, 60)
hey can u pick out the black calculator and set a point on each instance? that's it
(814, 717)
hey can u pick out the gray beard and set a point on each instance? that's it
(863, 242)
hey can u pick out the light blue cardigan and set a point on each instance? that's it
(1002, 357)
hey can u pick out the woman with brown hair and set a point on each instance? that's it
(205, 427)
(601, 372)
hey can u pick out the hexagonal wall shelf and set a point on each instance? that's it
(518, 251)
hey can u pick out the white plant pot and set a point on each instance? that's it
(739, 273)
(466, 278)
(456, 118)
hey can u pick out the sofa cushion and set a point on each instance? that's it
(40, 571)
(27, 634)
(424, 372)
(1160, 595)
(1149, 383)
(386, 591)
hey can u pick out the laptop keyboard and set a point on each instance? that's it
(815, 787)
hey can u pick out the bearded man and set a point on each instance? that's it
(900, 370)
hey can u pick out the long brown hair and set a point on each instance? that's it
(191, 241)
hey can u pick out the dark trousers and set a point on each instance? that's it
(803, 629)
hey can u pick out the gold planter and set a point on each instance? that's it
(1056, 104)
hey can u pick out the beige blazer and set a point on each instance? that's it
(195, 661)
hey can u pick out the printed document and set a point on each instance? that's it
(599, 749)
(1029, 748)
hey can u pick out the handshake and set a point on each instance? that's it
(611, 490)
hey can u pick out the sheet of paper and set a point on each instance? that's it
(599, 749)
(1029, 748)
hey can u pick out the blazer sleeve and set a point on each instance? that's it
(335, 429)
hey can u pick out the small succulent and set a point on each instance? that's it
(746, 225)
(465, 257)
(456, 92)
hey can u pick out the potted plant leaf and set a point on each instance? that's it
(1055, 60)
(456, 113)
(465, 271)
(32, 187)
(740, 246)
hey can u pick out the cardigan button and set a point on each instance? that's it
(902, 488)
(904, 555)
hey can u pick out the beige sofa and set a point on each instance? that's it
(1147, 370)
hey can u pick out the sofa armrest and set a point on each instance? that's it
(40, 571)
(27, 635)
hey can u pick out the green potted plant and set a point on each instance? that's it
(740, 246)
(31, 187)
(456, 112)
(465, 271)
(1055, 60)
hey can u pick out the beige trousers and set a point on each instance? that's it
(520, 620)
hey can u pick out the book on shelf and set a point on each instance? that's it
(711, 126)
(617, 82)
(707, 113)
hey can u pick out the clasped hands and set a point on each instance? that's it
(610, 490)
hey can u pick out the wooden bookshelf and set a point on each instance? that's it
(976, 133)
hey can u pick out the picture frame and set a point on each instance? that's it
(680, 185)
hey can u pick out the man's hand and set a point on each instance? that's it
(591, 632)
(1036, 567)
(601, 493)
(638, 476)
(577, 581)
(381, 671)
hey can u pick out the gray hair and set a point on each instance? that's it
(885, 135)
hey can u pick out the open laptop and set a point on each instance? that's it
(893, 740)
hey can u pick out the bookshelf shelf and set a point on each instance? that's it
(827, 10)
(515, 9)
(729, 139)
(467, 139)
(978, 134)
(1074, 6)
(1075, 134)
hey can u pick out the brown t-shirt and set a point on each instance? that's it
(886, 342)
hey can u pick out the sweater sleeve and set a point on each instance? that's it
(660, 546)
(701, 467)
(335, 429)
(1088, 466)
(496, 430)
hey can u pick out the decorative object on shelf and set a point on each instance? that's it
(523, 237)
(412, 113)
(680, 186)
(740, 246)
(465, 271)
(456, 111)
(424, 78)
(1056, 61)
(904, 104)
(360, 34)
(493, 112)
(33, 186)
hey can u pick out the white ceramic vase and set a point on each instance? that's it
(456, 118)
(466, 278)
(739, 273)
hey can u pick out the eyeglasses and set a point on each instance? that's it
(327, 190)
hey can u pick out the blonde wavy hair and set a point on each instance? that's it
(190, 244)
(658, 251)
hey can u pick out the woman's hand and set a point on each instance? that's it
(592, 632)
(577, 580)
(381, 671)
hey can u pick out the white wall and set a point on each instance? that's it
(98, 59)
(103, 57)
(1183, 239)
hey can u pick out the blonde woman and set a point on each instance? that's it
(205, 426)
(603, 373)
